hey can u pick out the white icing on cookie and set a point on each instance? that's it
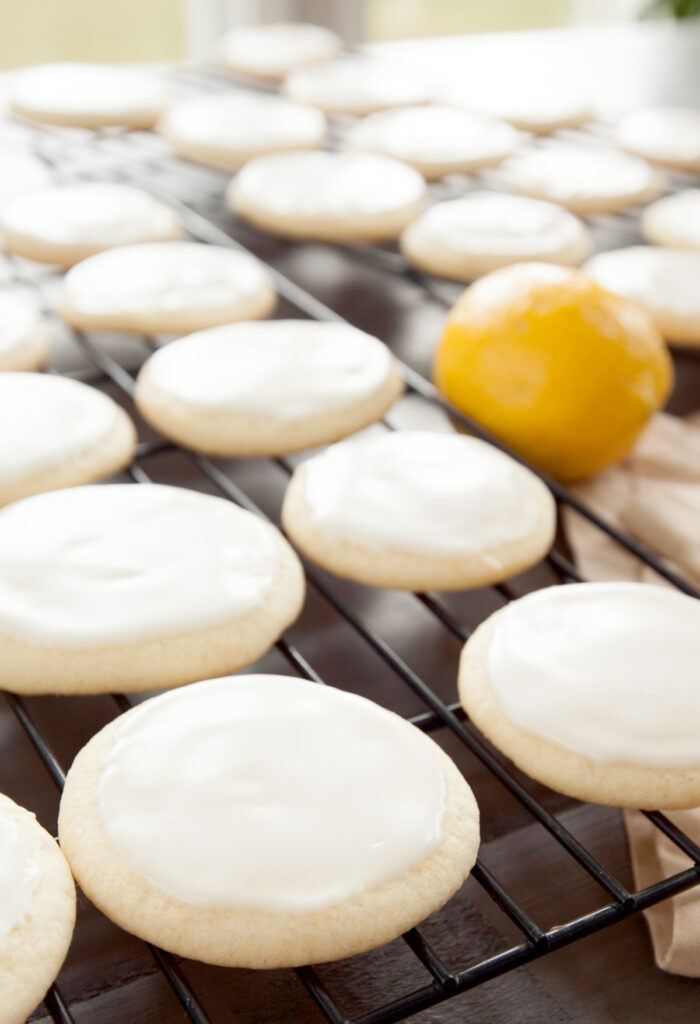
(86, 89)
(444, 137)
(270, 51)
(674, 220)
(19, 876)
(243, 125)
(46, 421)
(571, 174)
(19, 319)
(110, 564)
(437, 494)
(357, 85)
(283, 368)
(535, 104)
(664, 281)
(89, 213)
(328, 185)
(609, 670)
(163, 277)
(20, 172)
(270, 793)
(502, 227)
(669, 135)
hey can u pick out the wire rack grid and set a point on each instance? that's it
(138, 158)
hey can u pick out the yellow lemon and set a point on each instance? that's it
(559, 369)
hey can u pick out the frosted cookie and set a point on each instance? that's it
(332, 197)
(267, 388)
(137, 587)
(419, 511)
(169, 287)
(531, 107)
(270, 51)
(436, 140)
(301, 824)
(64, 224)
(20, 172)
(37, 911)
(24, 337)
(56, 432)
(584, 179)
(666, 282)
(357, 86)
(87, 95)
(462, 238)
(228, 130)
(674, 220)
(592, 689)
(666, 135)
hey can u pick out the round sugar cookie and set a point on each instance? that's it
(591, 688)
(436, 140)
(228, 130)
(64, 224)
(266, 821)
(463, 238)
(357, 86)
(665, 135)
(584, 179)
(666, 282)
(24, 336)
(332, 197)
(267, 388)
(87, 95)
(270, 51)
(125, 587)
(37, 911)
(414, 510)
(168, 287)
(56, 432)
(532, 106)
(674, 220)
(20, 172)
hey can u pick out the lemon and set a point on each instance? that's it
(559, 369)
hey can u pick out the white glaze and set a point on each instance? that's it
(674, 220)
(89, 213)
(533, 105)
(433, 134)
(86, 89)
(357, 86)
(18, 321)
(662, 280)
(273, 50)
(110, 564)
(609, 670)
(245, 123)
(499, 225)
(20, 874)
(333, 185)
(155, 277)
(270, 793)
(20, 172)
(46, 421)
(437, 494)
(667, 134)
(566, 172)
(283, 368)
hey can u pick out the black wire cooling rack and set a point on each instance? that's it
(140, 158)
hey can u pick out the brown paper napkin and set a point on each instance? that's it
(655, 496)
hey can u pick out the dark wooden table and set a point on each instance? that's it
(109, 977)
